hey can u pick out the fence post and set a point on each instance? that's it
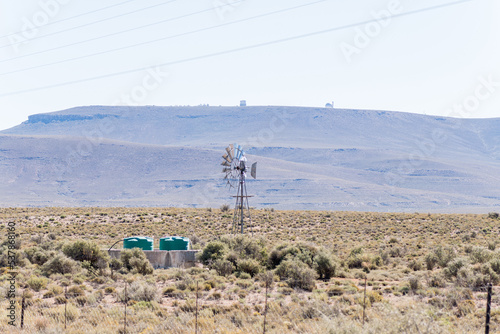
(364, 303)
(488, 310)
(65, 304)
(22, 310)
(265, 308)
(196, 324)
(126, 300)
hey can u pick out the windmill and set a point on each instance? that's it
(235, 168)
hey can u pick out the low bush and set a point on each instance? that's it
(431, 260)
(454, 266)
(135, 261)
(444, 255)
(296, 274)
(60, 264)
(88, 251)
(142, 291)
(493, 215)
(301, 251)
(480, 255)
(325, 266)
(37, 283)
(212, 252)
(75, 291)
(249, 266)
(36, 255)
(223, 267)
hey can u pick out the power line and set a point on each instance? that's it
(90, 23)
(117, 33)
(73, 17)
(287, 39)
(163, 38)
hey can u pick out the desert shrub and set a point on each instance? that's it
(414, 283)
(489, 275)
(87, 251)
(377, 261)
(60, 264)
(456, 295)
(358, 259)
(397, 251)
(48, 294)
(142, 291)
(431, 260)
(495, 265)
(267, 278)
(115, 264)
(56, 289)
(480, 255)
(80, 280)
(36, 255)
(415, 265)
(244, 275)
(4, 256)
(374, 297)
(325, 266)
(135, 261)
(444, 255)
(249, 266)
(436, 281)
(224, 207)
(493, 215)
(301, 251)
(296, 274)
(172, 291)
(454, 266)
(246, 247)
(212, 252)
(37, 283)
(81, 300)
(334, 291)
(223, 267)
(75, 291)
(109, 290)
(465, 307)
(60, 300)
(469, 277)
(13, 245)
(215, 296)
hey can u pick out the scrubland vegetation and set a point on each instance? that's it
(425, 273)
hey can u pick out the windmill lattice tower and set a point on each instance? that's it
(235, 168)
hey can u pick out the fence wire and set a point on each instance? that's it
(206, 312)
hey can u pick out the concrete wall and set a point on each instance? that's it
(165, 259)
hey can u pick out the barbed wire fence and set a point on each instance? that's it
(202, 310)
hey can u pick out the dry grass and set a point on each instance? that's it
(391, 250)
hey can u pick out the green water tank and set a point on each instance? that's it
(144, 243)
(174, 243)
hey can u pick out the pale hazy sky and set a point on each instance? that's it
(430, 56)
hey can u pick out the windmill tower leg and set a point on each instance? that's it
(248, 210)
(237, 207)
(241, 206)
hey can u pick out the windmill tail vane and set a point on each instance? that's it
(235, 168)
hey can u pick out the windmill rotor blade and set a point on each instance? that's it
(253, 171)
(226, 170)
(240, 151)
(236, 151)
(225, 163)
(226, 157)
(229, 151)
